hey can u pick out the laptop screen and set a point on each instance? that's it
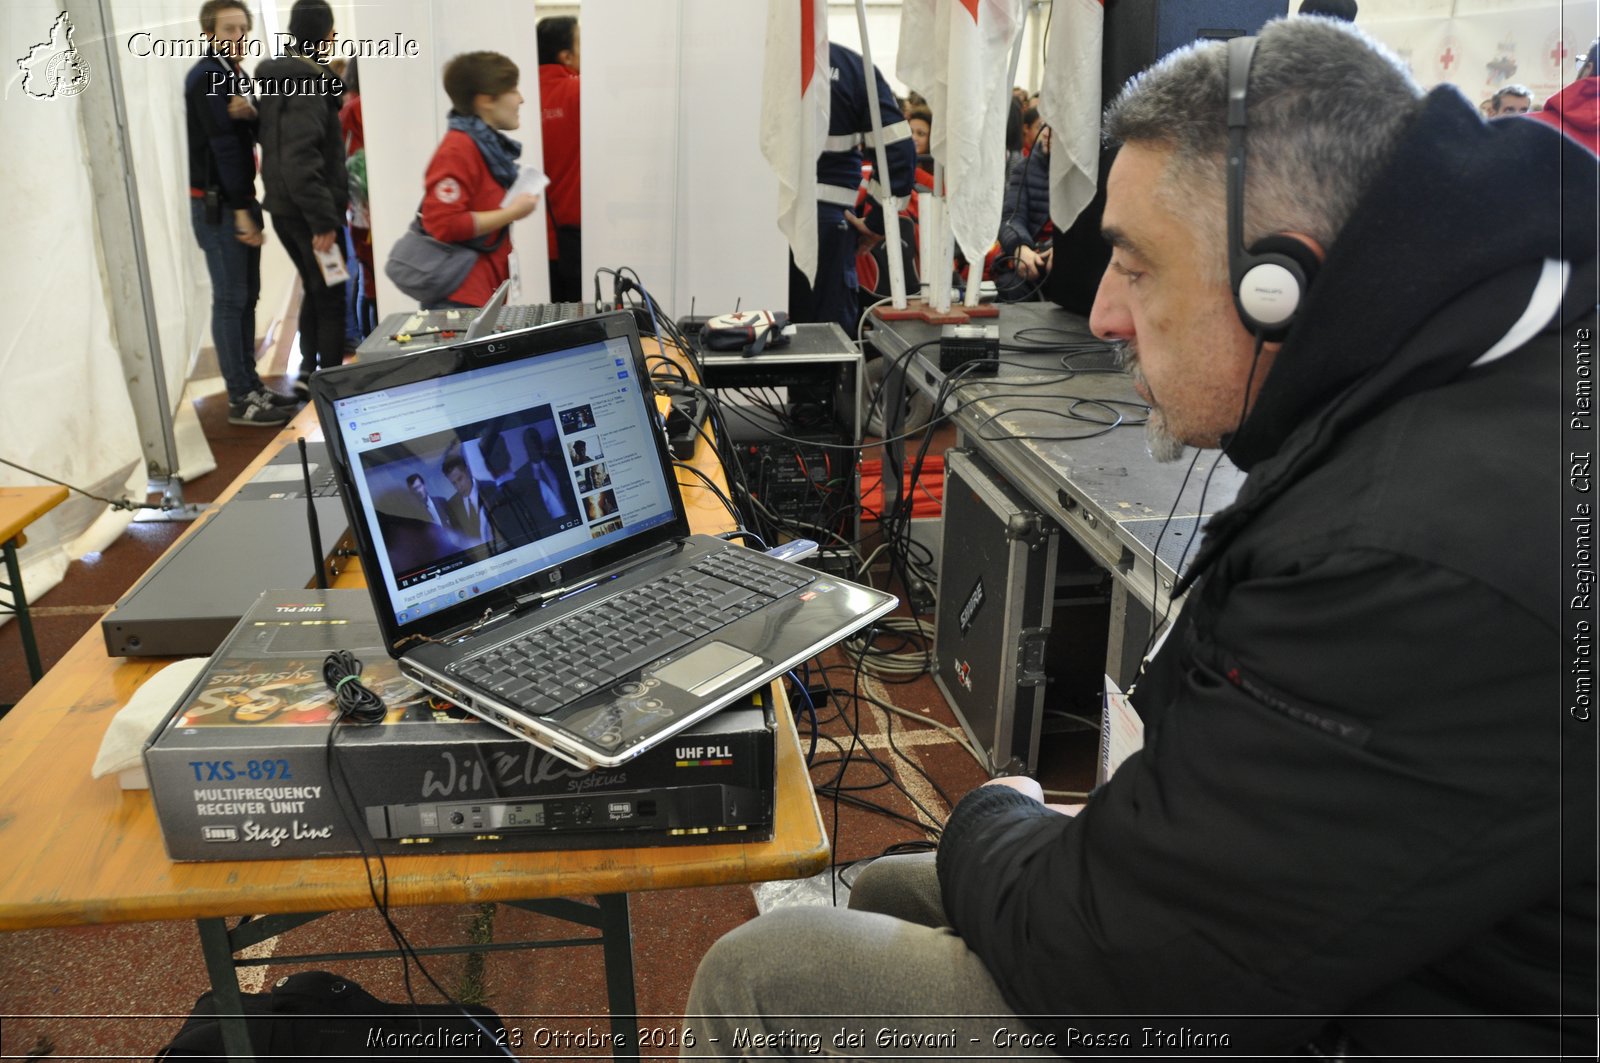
(480, 477)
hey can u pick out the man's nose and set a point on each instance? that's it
(1109, 318)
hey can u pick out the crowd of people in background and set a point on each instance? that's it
(306, 140)
(312, 163)
(1023, 252)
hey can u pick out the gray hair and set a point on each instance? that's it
(1327, 104)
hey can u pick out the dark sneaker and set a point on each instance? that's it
(254, 411)
(274, 398)
(302, 389)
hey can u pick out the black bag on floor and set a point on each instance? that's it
(317, 1015)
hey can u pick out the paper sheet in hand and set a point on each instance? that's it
(529, 182)
(331, 262)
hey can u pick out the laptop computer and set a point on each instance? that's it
(571, 607)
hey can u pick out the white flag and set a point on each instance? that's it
(957, 53)
(1069, 103)
(794, 117)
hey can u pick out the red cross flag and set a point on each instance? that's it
(794, 117)
(957, 53)
(1069, 103)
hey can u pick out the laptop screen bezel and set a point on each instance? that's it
(349, 381)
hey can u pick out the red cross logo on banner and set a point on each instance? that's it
(1558, 54)
(1447, 58)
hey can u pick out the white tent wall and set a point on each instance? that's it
(1481, 45)
(66, 406)
(152, 87)
(674, 184)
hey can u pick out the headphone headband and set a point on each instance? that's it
(1270, 277)
(1241, 51)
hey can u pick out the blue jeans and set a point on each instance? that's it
(235, 270)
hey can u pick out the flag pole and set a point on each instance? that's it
(944, 241)
(891, 205)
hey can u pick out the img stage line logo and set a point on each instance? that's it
(54, 69)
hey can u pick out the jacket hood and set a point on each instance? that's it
(1426, 278)
(1575, 110)
(1428, 230)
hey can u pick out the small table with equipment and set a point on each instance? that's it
(84, 852)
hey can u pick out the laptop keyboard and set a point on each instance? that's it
(545, 669)
(527, 315)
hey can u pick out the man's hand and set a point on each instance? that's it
(1029, 787)
(240, 109)
(866, 239)
(1022, 784)
(322, 241)
(1032, 264)
(245, 229)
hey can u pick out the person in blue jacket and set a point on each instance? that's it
(832, 295)
(221, 121)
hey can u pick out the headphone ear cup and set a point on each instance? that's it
(1268, 292)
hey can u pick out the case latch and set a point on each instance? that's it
(1030, 656)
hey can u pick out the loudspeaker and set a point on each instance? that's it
(1136, 34)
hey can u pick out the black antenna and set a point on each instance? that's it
(318, 564)
(738, 303)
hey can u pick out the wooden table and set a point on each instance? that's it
(20, 507)
(81, 851)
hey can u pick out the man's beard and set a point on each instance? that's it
(1158, 439)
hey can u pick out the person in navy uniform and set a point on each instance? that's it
(832, 296)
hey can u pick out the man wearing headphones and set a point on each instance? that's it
(1363, 820)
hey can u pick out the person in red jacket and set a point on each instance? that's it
(1575, 110)
(472, 169)
(558, 99)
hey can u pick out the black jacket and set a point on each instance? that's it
(302, 148)
(221, 149)
(1026, 206)
(1360, 793)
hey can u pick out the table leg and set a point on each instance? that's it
(19, 606)
(218, 953)
(618, 948)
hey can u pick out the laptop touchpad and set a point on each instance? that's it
(710, 667)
